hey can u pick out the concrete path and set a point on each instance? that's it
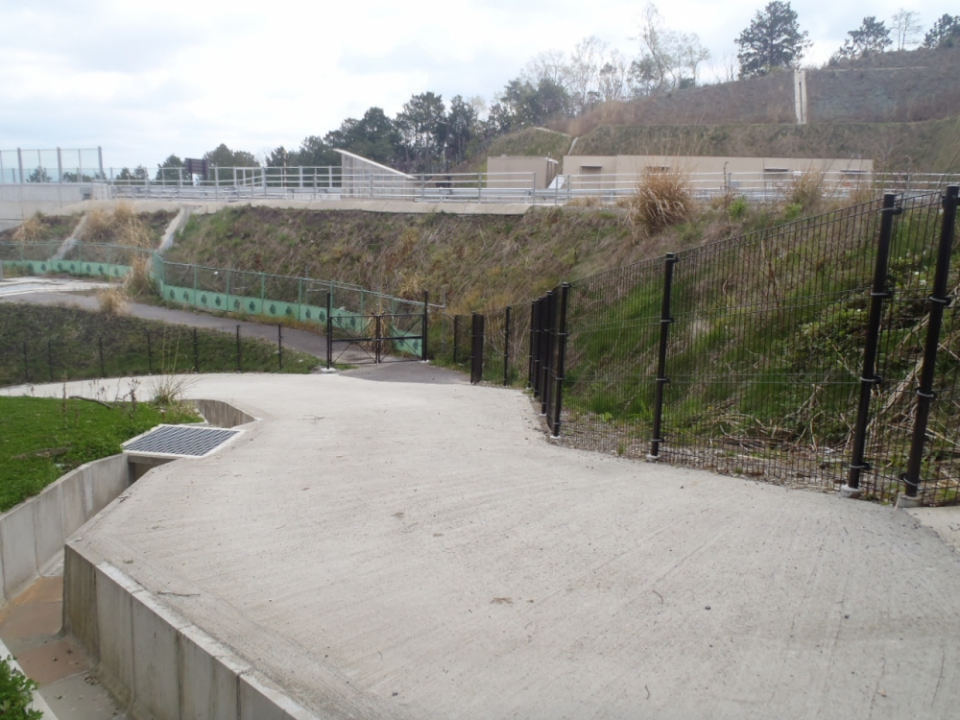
(422, 551)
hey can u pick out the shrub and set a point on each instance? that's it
(112, 301)
(806, 190)
(16, 694)
(663, 198)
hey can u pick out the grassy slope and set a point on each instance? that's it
(472, 262)
(534, 142)
(74, 346)
(49, 227)
(43, 438)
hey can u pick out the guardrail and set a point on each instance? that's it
(333, 183)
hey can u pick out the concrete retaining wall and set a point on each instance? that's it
(221, 414)
(155, 662)
(33, 533)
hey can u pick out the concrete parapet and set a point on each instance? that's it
(221, 414)
(155, 662)
(32, 533)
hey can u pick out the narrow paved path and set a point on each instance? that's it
(42, 291)
(422, 551)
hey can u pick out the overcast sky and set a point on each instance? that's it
(146, 79)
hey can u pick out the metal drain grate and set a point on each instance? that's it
(180, 441)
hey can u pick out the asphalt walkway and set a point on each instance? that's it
(423, 551)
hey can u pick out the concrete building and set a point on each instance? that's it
(517, 171)
(618, 172)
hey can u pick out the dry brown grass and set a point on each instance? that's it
(585, 201)
(30, 230)
(122, 227)
(806, 189)
(663, 198)
(138, 282)
(113, 301)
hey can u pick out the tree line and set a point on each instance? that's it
(429, 135)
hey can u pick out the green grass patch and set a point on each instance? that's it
(43, 438)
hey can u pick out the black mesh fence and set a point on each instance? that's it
(793, 355)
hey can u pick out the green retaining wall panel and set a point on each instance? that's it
(68, 267)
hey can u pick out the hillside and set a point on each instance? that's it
(469, 262)
(536, 142)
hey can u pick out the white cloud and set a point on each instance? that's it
(147, 79)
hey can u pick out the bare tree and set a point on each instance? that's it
(585, 63)
(905, 25)
(613, 77)
(691, 52)
(548, 65)
(657, 50)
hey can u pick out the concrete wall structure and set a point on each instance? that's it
(20, 201)
(359, 175)
(608, 172)
(33, 532)
(532, 172)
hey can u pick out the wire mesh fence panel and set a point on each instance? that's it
(495, 345)
(763, 355)
(613, 322)
(940, 468)
(909, 275)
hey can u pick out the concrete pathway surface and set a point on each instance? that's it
(422, 551)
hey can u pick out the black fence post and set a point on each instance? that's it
(426, 325)
(50, 359)
(476, 355)
(329, 330)
(546, 350)
(280, 345)
(939, 300)
(196, 352)
(561, 350)
(103, 371)
(665, 320)
(149, 354)
(26, 362)
(530, 356)
(506, 347)
(537, 342)
(456, 338)
(239, 354)
(377, 343)
(868, 376)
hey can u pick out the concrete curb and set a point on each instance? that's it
(48, 519)
(175, 226)
(154, 661)
(38, 702)
(64, 506)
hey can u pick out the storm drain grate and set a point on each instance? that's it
(180, 440)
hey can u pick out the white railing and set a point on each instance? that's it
(332, 183)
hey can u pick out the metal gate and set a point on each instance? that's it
(379, 337)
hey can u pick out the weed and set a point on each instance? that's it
(663, 198)
(113, 301)
(16, 692)
(169, 390)
(138, 282)
(30, 230)
(737, 208)
(806, 190)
